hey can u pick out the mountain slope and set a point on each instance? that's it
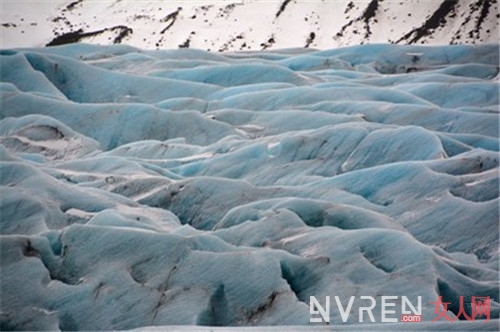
(248, 25)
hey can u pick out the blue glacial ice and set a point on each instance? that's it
(179, 187)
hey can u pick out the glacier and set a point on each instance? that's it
(159, 189)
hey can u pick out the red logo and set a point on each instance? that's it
(480, 308)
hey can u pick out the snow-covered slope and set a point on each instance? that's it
(251, 24)
(148, 188)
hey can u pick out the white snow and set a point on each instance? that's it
(229, 25)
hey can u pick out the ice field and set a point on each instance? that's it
(180, 187)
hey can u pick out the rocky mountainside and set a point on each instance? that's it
(230, 25)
